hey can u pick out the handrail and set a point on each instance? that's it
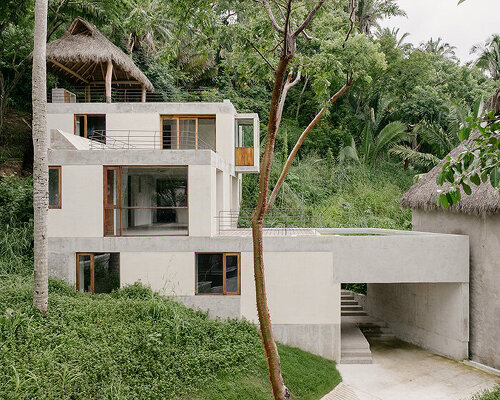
(145, 139)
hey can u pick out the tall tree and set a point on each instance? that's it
(40, 163)
(489, 56)
(369, 12)
(440, 48)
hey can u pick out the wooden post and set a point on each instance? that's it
(109, 75)
(143, 94)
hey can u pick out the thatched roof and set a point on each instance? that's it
(82, 53)
(483, 200)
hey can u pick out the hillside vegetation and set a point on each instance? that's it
(131, 344)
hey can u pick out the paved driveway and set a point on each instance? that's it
(402, 371)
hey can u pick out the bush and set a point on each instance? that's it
(493, 394)
(135, 344)
(16, 225)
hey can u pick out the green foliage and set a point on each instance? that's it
(134, 344)
(16, 225)
(493, 394)
(339, 195)
(477, 163)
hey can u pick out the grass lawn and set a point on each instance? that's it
(134, 344)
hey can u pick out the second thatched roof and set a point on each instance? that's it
(81, 55)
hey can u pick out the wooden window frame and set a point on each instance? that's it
(92, 265)
(120, 207)
(59, 205)
(224, 292)
(178, 118)
(85, 124)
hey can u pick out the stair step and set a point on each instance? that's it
(353, 313)
(351, 308)
(356, 360)
(343, 291)
(355, 353)
(348, 303)
(342, 298)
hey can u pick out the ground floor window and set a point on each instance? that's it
(218, 273)
(97, 272)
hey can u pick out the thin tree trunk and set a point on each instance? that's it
(40, 163)
(302, 137)
(280, 391)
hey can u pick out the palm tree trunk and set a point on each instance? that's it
(40, 163)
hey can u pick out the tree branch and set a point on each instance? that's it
(351, 19)
(308, 18)
(271, 17)
(302, 137)
(262, 55)
(286, 88)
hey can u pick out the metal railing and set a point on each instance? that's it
(146, 140)
(97, 94)
(279, 219)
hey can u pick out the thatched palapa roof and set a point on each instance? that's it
(82, 54)
(484, 198)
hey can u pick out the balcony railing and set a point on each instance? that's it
(282, 221)
(119, 139)
(97, 94)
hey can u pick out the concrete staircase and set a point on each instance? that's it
(349, 306)
(357, 327)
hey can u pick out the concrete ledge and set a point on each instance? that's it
(322, 339)
(223, 307)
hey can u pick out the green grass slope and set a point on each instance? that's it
(135, 344)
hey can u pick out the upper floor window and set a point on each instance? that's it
(183, 132)
(244, 141)
(91, 126)
(55, 187)
(145, 201)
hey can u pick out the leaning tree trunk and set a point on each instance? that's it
(40, 163)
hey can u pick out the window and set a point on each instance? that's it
(97, 272)
(244, 151)
(218, 273)
(54, 187)
(194, 133)
(145, 201)
(91, 126)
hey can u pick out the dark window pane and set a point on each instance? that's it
(54, 187)
(112, 187)
(80, 125)
(206, 134)
(169, 134)
(96, 125)
(106, 272)
(209, 270)
(154, 187)
(231, 274)
(84, 262)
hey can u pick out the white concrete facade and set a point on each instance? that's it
(303, 272)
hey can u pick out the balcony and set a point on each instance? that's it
(119, 139)
(97, 94)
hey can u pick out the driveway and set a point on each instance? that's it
(403, 371)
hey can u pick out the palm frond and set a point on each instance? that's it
(415, 157)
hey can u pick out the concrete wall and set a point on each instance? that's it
(143, 119)
(81, 214)
(202, 200)
(484, 237)
(433, 315)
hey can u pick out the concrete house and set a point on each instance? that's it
(146, 190)
(477, 216)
